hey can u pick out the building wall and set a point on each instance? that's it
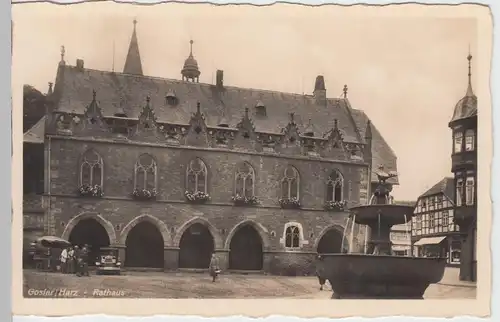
(116, 209)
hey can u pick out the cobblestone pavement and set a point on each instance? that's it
(185, 285)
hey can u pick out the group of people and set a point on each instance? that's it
(74, 260)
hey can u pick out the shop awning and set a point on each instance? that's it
(430, 241)
(36, 133)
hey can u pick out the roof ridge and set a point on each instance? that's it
(180, 81)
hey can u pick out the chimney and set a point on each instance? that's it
(79, 64)
(320, 90)
(219, 79)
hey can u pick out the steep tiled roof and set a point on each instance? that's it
(446, 186)
(467, 106)
(36, 133)
(381, 151)
(130, 92)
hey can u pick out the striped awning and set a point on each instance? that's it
(430, 241)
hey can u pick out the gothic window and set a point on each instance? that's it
(459, 191)
(145, 173)
(458, 139)
(335, 186)
(290, 183)
(469, 140)
(245, 180)
(196, 176)
(469, 191)
(91, 169)
(292, 237)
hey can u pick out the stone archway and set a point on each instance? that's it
(145, 238)
(330, 241)
(144, 246)
(163, 229)
(196, 247)
(245, 249)
(91, 230)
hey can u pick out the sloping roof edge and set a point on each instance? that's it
(37, 132)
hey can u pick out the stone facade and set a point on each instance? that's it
(170, 171)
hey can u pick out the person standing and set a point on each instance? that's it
(85, 260)
(71, 261)
(63, 258)
(214, 267)
(320, 272)
(78, 261)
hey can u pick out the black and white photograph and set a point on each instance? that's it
(192, 151)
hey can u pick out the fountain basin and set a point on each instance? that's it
(390, 214)
(361, 276)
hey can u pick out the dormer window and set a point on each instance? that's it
(309, 131)
(171, 98)
(260, 108)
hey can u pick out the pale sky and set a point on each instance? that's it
(406, 72)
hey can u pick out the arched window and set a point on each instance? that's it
(292, 237)
(459, 191)
(196, 176)
(469, 191)
(335, 186)
(245, 180)
(469, 140)
(145, 173)
(290, 183)
(91, 169)
(458, 139)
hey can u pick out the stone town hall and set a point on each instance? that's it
(169, 171)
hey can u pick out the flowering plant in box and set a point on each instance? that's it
(242, 200)
(87, 190)
(144, 194)
(197, 196)
(332, 205)
(289, 202)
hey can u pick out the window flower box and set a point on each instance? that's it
(289, 203)
(87, 190)
(196, 197)
(144, 194)
(240, 200)
(332, 205)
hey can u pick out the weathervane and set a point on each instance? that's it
(63, 51)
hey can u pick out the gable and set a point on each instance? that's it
(118, 92)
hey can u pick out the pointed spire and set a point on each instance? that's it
(319, 85)
(345, 91)
(368, 131)
(133, 63)
(191, 48)
(469, 85)
(50, 88)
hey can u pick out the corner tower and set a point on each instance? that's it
(464, 167)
